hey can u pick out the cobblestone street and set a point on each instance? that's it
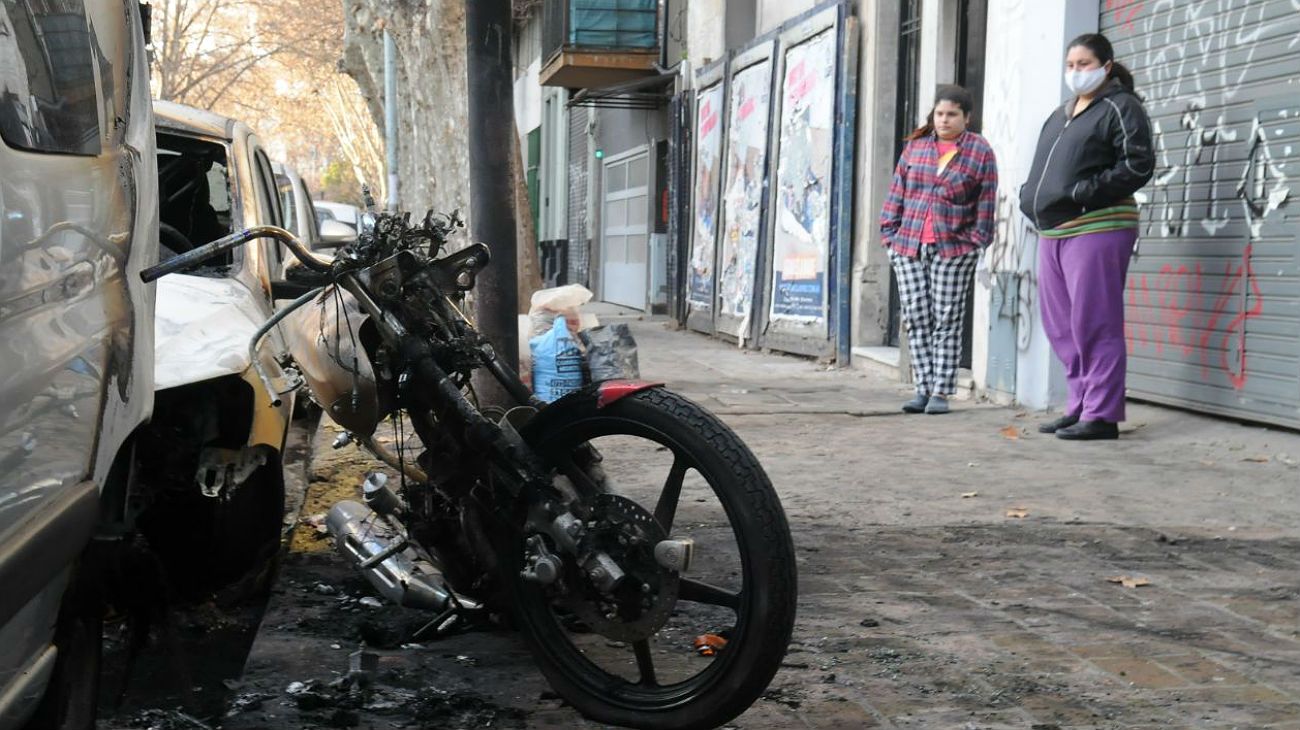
(954, 572)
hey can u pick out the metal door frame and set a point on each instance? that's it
(620, 158)
(744, 329)
(700, 317)
(830, 336)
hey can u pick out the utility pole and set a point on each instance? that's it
(390, 117)
(488, 28)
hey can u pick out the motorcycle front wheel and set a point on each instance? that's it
(701, 645)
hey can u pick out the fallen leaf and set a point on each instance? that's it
(1256, 459)
(968, 495)
(1010, 432)
(709, 644)
(1129, 581)
(1018, 513)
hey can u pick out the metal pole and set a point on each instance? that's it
(390, 117)
(488, 27)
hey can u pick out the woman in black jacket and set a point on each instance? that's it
(1093, 154)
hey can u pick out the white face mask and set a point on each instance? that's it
(1084, 82)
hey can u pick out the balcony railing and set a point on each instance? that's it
(586, 42)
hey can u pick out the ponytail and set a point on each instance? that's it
(1120, 73)
(925, 130)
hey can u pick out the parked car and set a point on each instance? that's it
(79, 222)
(211, 457)
(300, 216)
(350, 215)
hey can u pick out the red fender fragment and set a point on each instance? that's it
(612, 391)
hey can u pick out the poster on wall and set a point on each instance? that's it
(801, 221)
(743, 191)
(708, 135)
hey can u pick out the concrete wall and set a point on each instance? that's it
(874, 164)
(1024, 82)
(623, 129)
(705, 31)
(741, 23)
(528, 91)
(772, 13)
(938, 50)
(553, 175)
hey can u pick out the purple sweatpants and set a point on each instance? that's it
(1081, 292)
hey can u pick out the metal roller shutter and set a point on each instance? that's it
(579, 158)
(1213, 295)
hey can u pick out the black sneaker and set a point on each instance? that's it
(1090, 431)
(1060, 423)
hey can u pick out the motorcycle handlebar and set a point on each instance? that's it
(227, 243)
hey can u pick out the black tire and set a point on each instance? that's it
(766, 612)
(71, 698)
(209, 545)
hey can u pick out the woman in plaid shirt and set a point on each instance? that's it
(936, 220)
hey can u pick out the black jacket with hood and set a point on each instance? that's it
(1100, 157)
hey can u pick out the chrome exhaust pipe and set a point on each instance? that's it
(383, 556)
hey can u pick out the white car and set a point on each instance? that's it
(301, 217)
(349, 215)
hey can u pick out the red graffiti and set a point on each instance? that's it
(1179, 312)
(708, 119)
(799, 81)
(747, 107)
(1125, 12)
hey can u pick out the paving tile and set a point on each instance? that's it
(1139, 672)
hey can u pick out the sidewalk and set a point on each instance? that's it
(1170, 468)
(920, 606)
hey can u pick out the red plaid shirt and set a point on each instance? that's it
(961, 200)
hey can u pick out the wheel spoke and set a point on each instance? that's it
(666, 509)
(581, 480)
(645, 662)
(699, 592)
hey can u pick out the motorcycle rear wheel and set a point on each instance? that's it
(762, 608)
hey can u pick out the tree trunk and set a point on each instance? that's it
(530, 270)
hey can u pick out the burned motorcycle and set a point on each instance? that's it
(631, 537)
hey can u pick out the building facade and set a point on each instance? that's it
(726, 160)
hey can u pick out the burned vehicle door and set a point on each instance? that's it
(79, 222)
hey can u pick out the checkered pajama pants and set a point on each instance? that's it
(932, 291)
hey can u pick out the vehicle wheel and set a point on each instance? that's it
(208, 544)
(665, 467)
(71, 698)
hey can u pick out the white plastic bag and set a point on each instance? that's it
(563, 300)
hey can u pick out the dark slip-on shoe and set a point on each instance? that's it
(1058, 424)
(1090, 431)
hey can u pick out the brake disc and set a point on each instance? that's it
(643, 601)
